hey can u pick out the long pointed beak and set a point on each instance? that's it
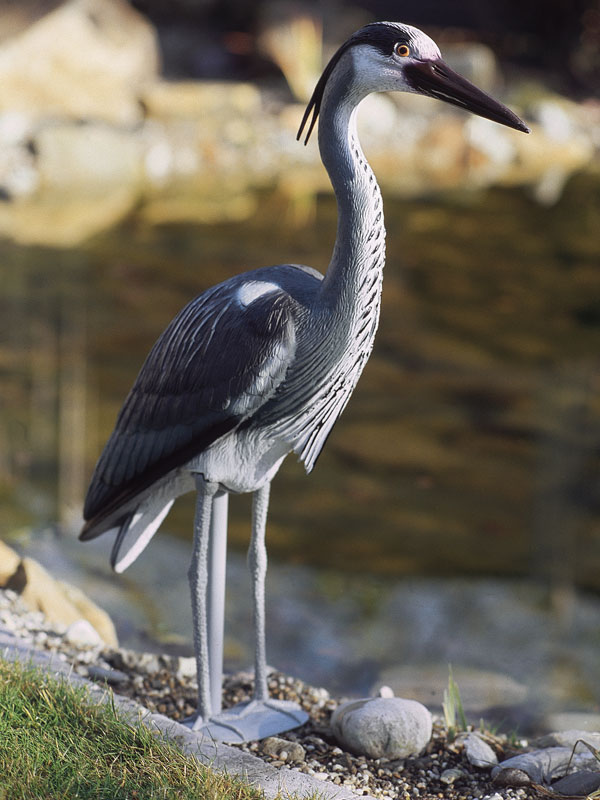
(435, 79)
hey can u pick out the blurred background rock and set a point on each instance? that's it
(104, 105)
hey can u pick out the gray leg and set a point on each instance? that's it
(217, 560)
(198, 579)
(257, 561)
(261, 716)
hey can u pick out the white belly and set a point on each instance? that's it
(241, 461)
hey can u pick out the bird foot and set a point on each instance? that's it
(255, 719)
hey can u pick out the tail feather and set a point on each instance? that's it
(136, 531)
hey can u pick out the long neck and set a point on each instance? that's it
(353, 278)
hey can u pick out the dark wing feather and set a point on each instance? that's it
(213, 367)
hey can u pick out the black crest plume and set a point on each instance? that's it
(382, 35)
(314, 104)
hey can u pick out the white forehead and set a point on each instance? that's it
(423, 45)
(376, 69)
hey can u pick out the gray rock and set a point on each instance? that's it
(283, 750)
(382, 727)
(544, 766)
(580, 783)
(509, 776)
(102, 674)
(478, 752)
(449, 776)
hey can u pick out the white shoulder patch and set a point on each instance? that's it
(252, 290)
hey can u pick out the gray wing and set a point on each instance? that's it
(216, 363)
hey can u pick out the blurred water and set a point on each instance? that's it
(470, 447)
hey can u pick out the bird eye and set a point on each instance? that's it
(402, 50)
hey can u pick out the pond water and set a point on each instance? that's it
(470, 447)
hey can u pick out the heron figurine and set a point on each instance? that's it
(262, 365)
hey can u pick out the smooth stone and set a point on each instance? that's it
(580, 783)
(478, 752)
(283, 749)
(82, 633)
(450, 776)
(544, 766)
(102, 674)
(510, 776)
(382, 727)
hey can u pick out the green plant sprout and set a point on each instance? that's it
(454, 715)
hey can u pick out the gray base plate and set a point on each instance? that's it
(249, 721)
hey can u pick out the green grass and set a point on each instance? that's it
(56, 741)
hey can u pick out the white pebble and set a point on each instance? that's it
(186, 667)
(82, 633)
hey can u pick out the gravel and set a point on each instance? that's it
(167, 684)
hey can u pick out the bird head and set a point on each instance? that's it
(390, 56)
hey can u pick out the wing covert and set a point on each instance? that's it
(216, 363)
